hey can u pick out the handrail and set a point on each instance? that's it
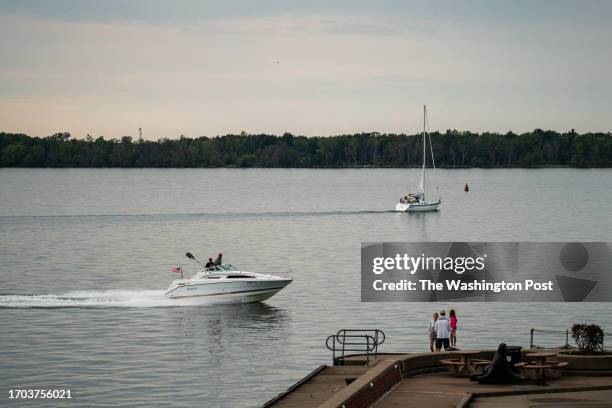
(355, 340)
(368, 345)
(378, 335)
(565, 332)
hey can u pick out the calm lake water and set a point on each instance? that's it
(85, 255)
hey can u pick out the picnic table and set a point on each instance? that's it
(541, 357)
(464, 365)
(540, 365)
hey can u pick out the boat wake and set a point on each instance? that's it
(98, 298)
(211, 215)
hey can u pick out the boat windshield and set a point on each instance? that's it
(222, 268)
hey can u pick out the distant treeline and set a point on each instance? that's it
(452, 149)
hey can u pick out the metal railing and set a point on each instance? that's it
(361, 341)
(557, 334)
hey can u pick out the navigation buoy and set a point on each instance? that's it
(466, 188)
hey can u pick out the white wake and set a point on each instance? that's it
(98, 298)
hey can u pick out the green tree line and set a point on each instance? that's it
(452, 149)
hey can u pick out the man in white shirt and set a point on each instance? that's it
(442, 327)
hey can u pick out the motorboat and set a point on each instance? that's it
(416, 202)
(228, 284)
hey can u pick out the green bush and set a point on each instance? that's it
(588, 337)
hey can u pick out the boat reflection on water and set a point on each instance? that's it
(225, 329)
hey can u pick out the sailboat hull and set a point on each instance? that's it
(418, 207)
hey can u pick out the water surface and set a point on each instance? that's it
(85, 255)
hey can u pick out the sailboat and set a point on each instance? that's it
(414, 202)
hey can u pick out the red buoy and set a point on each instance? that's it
(466, 188)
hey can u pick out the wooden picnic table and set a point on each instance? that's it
(541, 364)
(541, 357)
(463, 367)
(465, 356)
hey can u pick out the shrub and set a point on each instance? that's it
(588, 337)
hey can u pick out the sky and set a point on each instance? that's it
(316, 68)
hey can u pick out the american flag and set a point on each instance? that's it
(177, 269)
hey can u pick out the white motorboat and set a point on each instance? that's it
(416, 202)
(227, 283)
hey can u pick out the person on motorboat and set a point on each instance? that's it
(210, 263)
(219, 260)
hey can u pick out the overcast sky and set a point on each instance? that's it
(207, 68)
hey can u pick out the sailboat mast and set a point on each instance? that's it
(424, 133)
(424, 150)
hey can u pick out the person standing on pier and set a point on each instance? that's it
(442, 328)
(432, 332)
(453, 328)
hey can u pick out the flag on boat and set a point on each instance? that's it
(177, 269)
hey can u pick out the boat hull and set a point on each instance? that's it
(229, 292)
(417, 207)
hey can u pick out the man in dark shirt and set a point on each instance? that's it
(210, 263)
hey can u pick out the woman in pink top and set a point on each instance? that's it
(453, 327)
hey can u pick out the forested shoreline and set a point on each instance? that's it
(453, 149)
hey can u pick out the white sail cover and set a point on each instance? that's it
(422, 181)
